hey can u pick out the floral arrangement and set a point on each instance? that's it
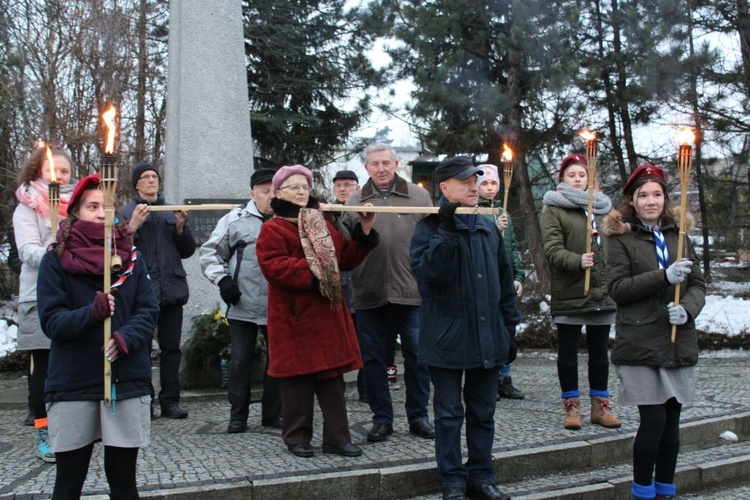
(208, 345)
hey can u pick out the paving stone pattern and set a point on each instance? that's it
(197, 452)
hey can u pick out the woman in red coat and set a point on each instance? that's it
(311, 338)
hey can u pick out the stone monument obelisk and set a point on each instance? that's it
(209, 153)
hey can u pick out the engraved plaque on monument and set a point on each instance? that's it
(203, 222)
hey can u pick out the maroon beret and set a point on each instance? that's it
(645, 171)
(574, 159)
(86, 183)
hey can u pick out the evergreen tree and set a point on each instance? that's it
(304, 59)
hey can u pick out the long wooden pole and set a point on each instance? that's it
(591, 174)
(108, 180)
(684, 164)
(326, 207)
(205, 206)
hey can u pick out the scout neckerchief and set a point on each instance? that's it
(662, 254)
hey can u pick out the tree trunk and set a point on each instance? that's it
(743, 30)
(610, 99)
(528, 219)
(140, 107)
(695, 105)
(621, 88)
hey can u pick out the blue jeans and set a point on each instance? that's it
(479, 395)
(373, 326)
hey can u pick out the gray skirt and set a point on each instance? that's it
(647, 385)
(75, 424)
(30, 334)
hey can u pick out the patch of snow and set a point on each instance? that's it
(8, 335)
(727, 315)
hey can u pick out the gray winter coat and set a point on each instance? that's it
(230, 251)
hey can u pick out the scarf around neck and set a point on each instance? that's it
(35, 195)
(317, 245)
(84, 247)
(569, 197)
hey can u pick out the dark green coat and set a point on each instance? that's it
(509, 239)
(564, 241)
(642, 292)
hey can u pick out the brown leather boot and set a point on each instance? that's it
(572, 413)
(601, 413)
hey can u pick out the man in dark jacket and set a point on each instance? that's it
(468, 320)
(164, 239)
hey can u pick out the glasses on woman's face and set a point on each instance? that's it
(296, 187)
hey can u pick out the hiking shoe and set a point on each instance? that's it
(505, 389)
(43, 449)
(572, 413)
(601, 413)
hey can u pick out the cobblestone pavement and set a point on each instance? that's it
(197, 451)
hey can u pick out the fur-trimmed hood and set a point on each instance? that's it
(616, 223)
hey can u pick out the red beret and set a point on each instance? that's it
(645, 171)
(84, 184)
(574, 159)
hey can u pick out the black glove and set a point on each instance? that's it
(446, 213)
(230, 292)
(512, 349)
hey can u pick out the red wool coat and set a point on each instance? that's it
(305, 333)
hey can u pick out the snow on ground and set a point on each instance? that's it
(7, 338)
(727, 315)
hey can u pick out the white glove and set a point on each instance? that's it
(677, 272)
(677, 314)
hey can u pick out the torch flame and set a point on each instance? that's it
(589, 136)
(109, 120)
(507, 153)
(51, 161)
(686, 136)
(40, 143)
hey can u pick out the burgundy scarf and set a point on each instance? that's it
(84, 248)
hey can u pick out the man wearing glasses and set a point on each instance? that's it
(164, 239)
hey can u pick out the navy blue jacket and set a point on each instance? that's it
(468, 299)
(163, 250)
(76, 360)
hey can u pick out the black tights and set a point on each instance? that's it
(657, 443)
(119, 466)
(37, 378)
(597, 341)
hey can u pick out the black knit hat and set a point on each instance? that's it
(261, 176)
(142, 167)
